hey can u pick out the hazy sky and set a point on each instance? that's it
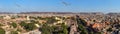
(60, 6)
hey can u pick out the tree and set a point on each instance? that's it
(33, 21)
(14, 25)
(98, 33)
(14, 32)
(29, 26)
(2, 31)
(110, 29)
(46, 29)
(91, 32)
(57, 30)
(80, 21)
(51, 20)
(65, 31)
(19, 30)
(1, 24)
(82, 29)
(81, 25)
(22, 23)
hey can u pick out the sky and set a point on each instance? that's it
(60, 6)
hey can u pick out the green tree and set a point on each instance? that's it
(14, 25)
(110, 29)
(46, 29)
(91, 32)
(22, 23)
(30, 26)
(2, 31)
(51, 21)
(14, 32)
(82, 29)
(98, 33)
(81, 25)
(19, 29)
(35, 22)
(1, 24)
(65, 31)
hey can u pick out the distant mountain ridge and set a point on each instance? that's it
(46, 13)
(59, 13)
(6, 13)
